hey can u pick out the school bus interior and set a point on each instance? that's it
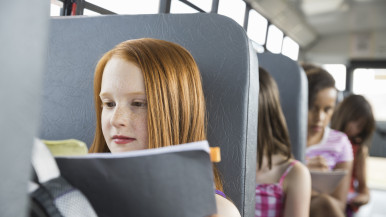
(50, 48)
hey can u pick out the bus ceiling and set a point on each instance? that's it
(354, 28)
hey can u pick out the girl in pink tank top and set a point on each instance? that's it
(270, 197)
(283, 185)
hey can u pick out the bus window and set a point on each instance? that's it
(258, 47)
(205, 5)
(371, 83)
(234, 9)
(90, 12)
(275, 39)
(128, 7)
(257, 27)
(290, 48)
(338, 71)
(55, 8)
(177, 6)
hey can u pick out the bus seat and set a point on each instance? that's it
(23, 42)
(292, 84)
(226, 60)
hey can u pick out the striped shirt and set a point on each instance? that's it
(334, 148)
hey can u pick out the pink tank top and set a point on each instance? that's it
(270, 197)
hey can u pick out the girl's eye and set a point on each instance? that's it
(328, 109)
(139, 104)
(108, 104)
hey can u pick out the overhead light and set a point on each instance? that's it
(315, 7)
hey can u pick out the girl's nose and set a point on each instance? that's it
(321, 115)
(119, 118)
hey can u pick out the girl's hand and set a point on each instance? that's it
(317, 163)
(359, 200)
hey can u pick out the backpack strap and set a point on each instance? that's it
(52, 195)
(43, 202)
(43, 162)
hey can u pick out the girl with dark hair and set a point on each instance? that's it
(327, 149)
(354, 116)
(283, 185)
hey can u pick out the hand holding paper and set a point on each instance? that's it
(317, 163)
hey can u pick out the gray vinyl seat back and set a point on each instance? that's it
(224, 55)
(293, 87)
(23, 42)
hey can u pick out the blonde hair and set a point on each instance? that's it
(176, 112)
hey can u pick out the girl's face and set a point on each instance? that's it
(354, 128)
(319, 115)
(124, 106)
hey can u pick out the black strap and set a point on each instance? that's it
(36, 210)
(43, 203)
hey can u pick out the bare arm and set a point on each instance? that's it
(341, 190)
(360, 172)
(297, 186)
(225, 208)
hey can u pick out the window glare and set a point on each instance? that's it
(90, 12)
(372, 84)
(258, 48)
(128, 7)
(338, 71)
(290, 48)
(180, 7)
(275, 39)
(371, 81)
(257, 27)
(55, 10)
(234, 9)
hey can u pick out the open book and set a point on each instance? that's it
(326, 181)
(170, 181)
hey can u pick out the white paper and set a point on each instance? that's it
(200, 145)
(326, 182)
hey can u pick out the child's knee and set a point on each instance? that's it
(322, 202)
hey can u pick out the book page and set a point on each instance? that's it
(326, 181)
(193, 146)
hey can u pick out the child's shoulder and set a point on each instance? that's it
(298, 174)
(339, 138)
(337, 135)
(225, 207)
(299, 167)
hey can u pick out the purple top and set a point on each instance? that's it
(220, 193)
(334, 147)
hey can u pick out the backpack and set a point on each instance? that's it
(50, 194)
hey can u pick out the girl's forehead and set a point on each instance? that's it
(122, 75)
(326, 95)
